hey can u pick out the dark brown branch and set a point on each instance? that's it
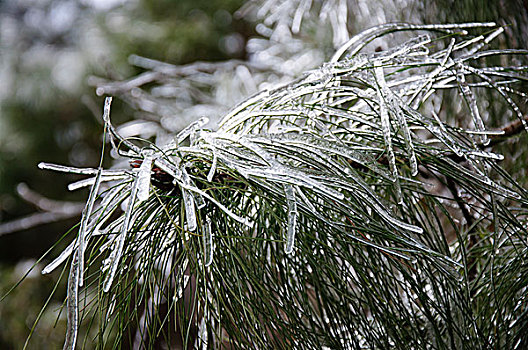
(472, 239)
(510, 130)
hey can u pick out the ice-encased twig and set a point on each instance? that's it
(291, 202)
(117, 252)
(169, 168)
(72, 305)
(181, 288)
(484, 180)
(306, 201)
(198, 200)
(87, 212)
(273, 169)
(202, 335)
(446, 139)
(394, 103)
(61, 258)
(208, 242)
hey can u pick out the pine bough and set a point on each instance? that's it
(340, 210)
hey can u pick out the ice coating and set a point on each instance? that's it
(87, 212)
(208, 242)
(292, 218)
(144, 174)
(116, 253)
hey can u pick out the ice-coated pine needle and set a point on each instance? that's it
(208, 242)
(144, 173)
(61, 258)
(182, 135)
(89, 182)
(188, 202)
(386, 129)
(87, 212)
(72, 305)
(473, 108)
(291, 202)
(212, 170)
(117, 251)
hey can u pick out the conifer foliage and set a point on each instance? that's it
(365, 204)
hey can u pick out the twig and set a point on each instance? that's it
(510, 130)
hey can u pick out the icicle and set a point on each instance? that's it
(87, 212)
(472, 104)
(385, 128)
(292, 217)
(60, 259)
(188, 201)
(67, 169)
(402, 121)
(208, 242)
(145, 171)
(115, 254)
(182, 135)
(72, 305)
(90, 182)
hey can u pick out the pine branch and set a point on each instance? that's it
(306, 219)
